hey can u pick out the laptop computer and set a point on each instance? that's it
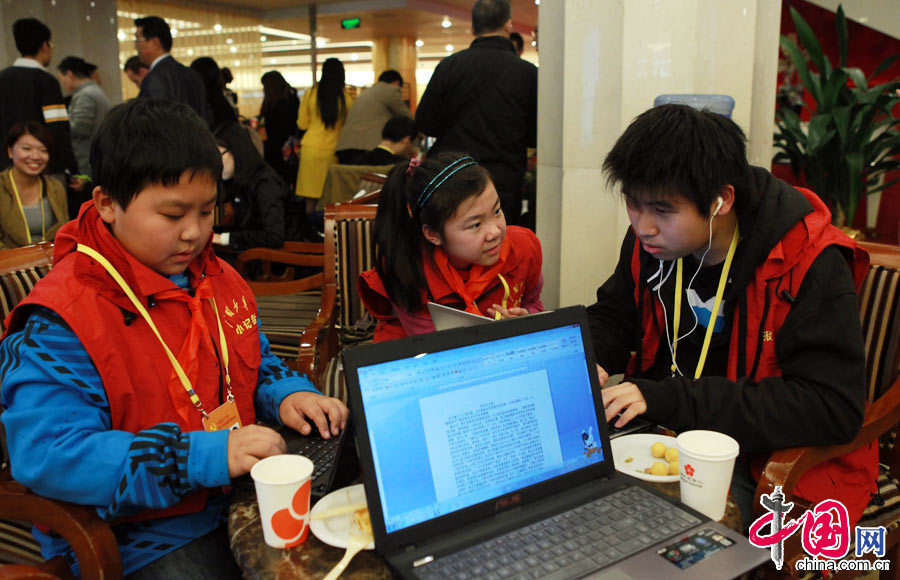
(472, 440)
(445, 317)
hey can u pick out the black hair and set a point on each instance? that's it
(330, 93)
(398, 223)
(155, 27)
(151, 141)
(134, 64)
(490, 15)
(517, 41)
(390, 76)
(227, 77)
(397, 128)
(236, 139)
(37, 130)
(676, 149)
(210, 73)
(77, 65)
(275, 88)
(30, 35)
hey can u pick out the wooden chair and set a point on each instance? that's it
(880, 315)
(344, 181)
(349, 250)
(90, 536)
(287, 303)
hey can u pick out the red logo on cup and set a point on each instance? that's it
(689, 470)
(290, 523)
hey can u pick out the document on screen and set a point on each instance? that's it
(490, 434)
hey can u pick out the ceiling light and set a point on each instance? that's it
(229, 41)
(190, 52)
(273, 60)
(320, 42)
(217, 27)
(446, 22)
(537, 2)
(262, 38)
(174, 31)
(237, 63)
(121, 35)
(233, 49)
(534, 43)
(354, 56)
(448, 48)
(419, 43)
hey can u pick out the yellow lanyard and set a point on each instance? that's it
(22, 209)
(497, 315)
(720, 292)
(186, 383)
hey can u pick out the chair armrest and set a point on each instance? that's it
(90, 537)
(786, 466)
(23, 572)
(278, 255)
(318, 343)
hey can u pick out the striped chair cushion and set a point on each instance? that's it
(879, 303)
(14, 286)
(335, 383)
(354, 254)
(283, 319)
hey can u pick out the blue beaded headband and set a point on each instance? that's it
(440, 178)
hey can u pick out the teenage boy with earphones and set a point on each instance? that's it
(733, 306)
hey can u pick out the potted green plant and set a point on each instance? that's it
(851, 139)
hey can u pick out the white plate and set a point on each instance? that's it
(637, 447)
(335, 531)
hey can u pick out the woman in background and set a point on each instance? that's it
(322, 113)
(211, 74)
(263, 205)
(278, 116)
(32, 205)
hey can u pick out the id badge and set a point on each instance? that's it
(225, 416)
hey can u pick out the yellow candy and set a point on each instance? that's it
(659, 468)
(672, 454)
(674, 468)
(658, 449)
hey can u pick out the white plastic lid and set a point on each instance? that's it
(708, 445)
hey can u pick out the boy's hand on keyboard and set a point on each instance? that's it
(300, 411)
(625, 398)
(249, 444)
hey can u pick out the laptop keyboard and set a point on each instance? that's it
(323, 453)
(571, 544)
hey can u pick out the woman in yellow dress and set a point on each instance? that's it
(323, 110)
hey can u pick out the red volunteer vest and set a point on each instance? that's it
(849, 478)
(522, 271)
(128, 356)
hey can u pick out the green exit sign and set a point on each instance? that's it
(348, 23)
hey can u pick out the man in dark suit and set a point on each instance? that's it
(168, 78)
(483, 101)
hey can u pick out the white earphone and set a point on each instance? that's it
(718, 206)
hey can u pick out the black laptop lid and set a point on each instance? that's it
(455, 426)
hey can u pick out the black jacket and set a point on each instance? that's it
(483, 101)
(820, 397)
(24, 95)
(262, 212)
(281, 122)
(171, 80)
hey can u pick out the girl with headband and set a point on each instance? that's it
(441, 236)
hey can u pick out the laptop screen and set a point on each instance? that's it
(457, 427)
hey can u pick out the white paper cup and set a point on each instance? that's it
(283, 484)
(707, 462)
